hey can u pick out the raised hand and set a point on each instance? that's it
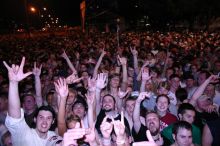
(64, 55)
(122, 60)
(119, 126)
(145, 74)
(73, 78)
(101, 81)
(133, 51)
(91, 84)
(72, 135)
(142, 96)
(122, 94)
(61, 88)
(37, 71)
(106, 128)
(15, 72)
(103, 52)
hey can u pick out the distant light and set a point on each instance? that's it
(42, 16)
(51, 18)
(136, 6)
(97, 6)
(57, 18)
(33, 9)
(52, 22)
(44, 9)
(48, 15)
(60, 26)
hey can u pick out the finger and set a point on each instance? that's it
(27, 74)
(22, 63)
(77, 125)
(122, 117)
(149, 136)
(40, 66)
(6, 65)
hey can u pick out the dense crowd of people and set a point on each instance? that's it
(143, 89)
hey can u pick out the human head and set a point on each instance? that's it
(210, 90)
(181, 95)
(71, 121)
(203, 75)
(108, 103)
(190, 82)
(174, 81)
(203, 102)
(186, 112)
(129, 105)
(162, 103)
(114, 80)
(6, 139)
(152, 122)
(79, 107)
(44, 118)
(163, 88)
(182, 133)
(29, 103)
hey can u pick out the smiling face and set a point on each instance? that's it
(108, 103)
(162, 104)
(44, 121)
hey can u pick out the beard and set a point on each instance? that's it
(154, 130)
(107, 110)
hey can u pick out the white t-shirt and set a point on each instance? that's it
(22, 134)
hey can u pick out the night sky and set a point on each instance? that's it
(66, 10)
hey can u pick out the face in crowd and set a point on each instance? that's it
(153, 123)
(108, 103)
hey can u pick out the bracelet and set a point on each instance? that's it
(106, 141)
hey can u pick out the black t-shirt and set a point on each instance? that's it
(141, 135)
(214, 127)
(203, 117)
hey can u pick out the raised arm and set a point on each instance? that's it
(145, 76)
(62, 91)
(135, 59)
(64, 55)
(201, 89)
(136, 112)
(95, 73)
(101, 82)
(15, 75)
(37, 72)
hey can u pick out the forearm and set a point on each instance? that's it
(199, 91)
(143, 84)
(136, 116)
(70, 65)
(61, 118)
(14, 104)
(95, 73)
(124, 73)
(136, 70)
(39, 99)
(98, 101)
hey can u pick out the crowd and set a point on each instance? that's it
(145, 89)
